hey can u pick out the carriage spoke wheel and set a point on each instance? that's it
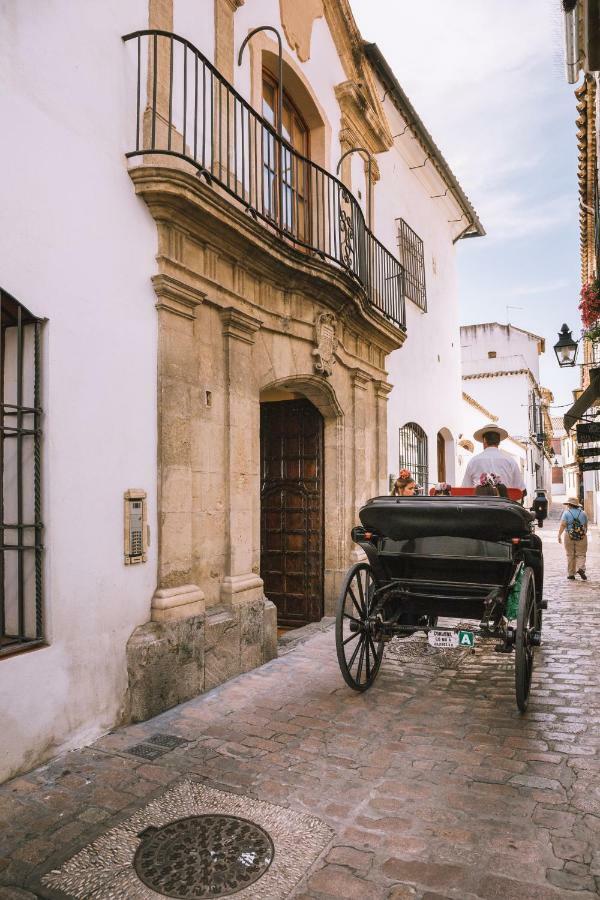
(359, 645)
(527, 638)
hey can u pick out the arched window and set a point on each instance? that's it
(294, 215)
(414, 453)
(21, 549)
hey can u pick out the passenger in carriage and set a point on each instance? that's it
(404, 485)
(493, 459)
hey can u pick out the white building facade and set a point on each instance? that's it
(500, 369)
(198, 322)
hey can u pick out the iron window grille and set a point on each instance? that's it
(21, 624)
(414, 453)
(536, 420)
(412, 258)
(185, 108)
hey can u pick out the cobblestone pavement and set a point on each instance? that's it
(433, 783)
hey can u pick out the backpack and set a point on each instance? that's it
(576, 529)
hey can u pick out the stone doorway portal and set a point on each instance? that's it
(292, 509)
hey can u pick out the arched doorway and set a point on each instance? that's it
(292, 508)
(413, 453)
(446, 468)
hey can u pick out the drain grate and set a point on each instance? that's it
(147, 751)
(203, 856)
(170, 741)
(156, 745)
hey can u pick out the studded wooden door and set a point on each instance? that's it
(291, 433)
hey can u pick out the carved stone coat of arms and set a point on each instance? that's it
(326, 339)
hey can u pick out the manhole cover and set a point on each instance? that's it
(203, 856)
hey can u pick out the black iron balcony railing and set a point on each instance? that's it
(185, 108)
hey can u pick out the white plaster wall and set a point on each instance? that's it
(78, 248)
(425, 372)
(513, 347)
(196, 22)
(507, 397)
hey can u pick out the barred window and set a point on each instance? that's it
(414, 453)
(21, 625)
(410, 250)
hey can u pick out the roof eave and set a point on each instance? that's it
(377, 59)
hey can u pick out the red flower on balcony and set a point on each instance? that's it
(590, 305)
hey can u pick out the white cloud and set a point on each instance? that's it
(481, 74)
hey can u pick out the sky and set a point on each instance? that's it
(487, 79)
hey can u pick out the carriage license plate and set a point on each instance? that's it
(451, 639)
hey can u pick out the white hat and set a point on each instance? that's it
(571, 501)
(501, 432)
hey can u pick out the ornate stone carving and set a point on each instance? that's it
(297, 20)
(326, 338)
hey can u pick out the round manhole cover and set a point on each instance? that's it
(203, 856)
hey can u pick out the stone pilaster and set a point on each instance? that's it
(360, 384)
(241, 582)
(176, 305)
(382, 392)
(224, 36)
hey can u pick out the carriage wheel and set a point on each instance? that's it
(527, 638)
(359, 648)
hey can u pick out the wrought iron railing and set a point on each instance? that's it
(21, 625)
(186, 108)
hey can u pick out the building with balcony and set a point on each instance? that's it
(210, 265)
(582, 57)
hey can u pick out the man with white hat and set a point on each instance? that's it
(575, 522)
(493, 460)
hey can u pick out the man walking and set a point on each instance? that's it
(575, 522)
(493, 459)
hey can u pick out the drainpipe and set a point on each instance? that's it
(572, 57)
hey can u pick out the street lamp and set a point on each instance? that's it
(566, 348)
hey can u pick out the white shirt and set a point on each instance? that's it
(495, 460)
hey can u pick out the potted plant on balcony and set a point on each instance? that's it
(590, 309)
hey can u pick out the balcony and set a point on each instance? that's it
(185, 108)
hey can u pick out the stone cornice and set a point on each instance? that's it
(361, 379)
(176, 198)
(176, 297)
(527, 372)
(239, 325)
(383, 389)
(472, 402)
(358, 95)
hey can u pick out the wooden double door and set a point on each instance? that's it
(291, 443)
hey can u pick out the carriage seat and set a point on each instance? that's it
(467, 516)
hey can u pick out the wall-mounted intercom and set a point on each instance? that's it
(136, 527)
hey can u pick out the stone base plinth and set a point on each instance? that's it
(240, 589)
(173, 659)
(171, 604)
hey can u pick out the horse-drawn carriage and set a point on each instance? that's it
(464, 558)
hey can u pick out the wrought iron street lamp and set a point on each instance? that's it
(566, 348)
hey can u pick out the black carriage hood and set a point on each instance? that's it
(486, 518)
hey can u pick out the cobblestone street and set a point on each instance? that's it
(432, 783)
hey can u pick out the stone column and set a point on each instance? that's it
(224, 36)
(382, 392)
(360, 383)
(241, 583)
(176, 597)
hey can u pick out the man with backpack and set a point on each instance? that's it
(575, 522)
